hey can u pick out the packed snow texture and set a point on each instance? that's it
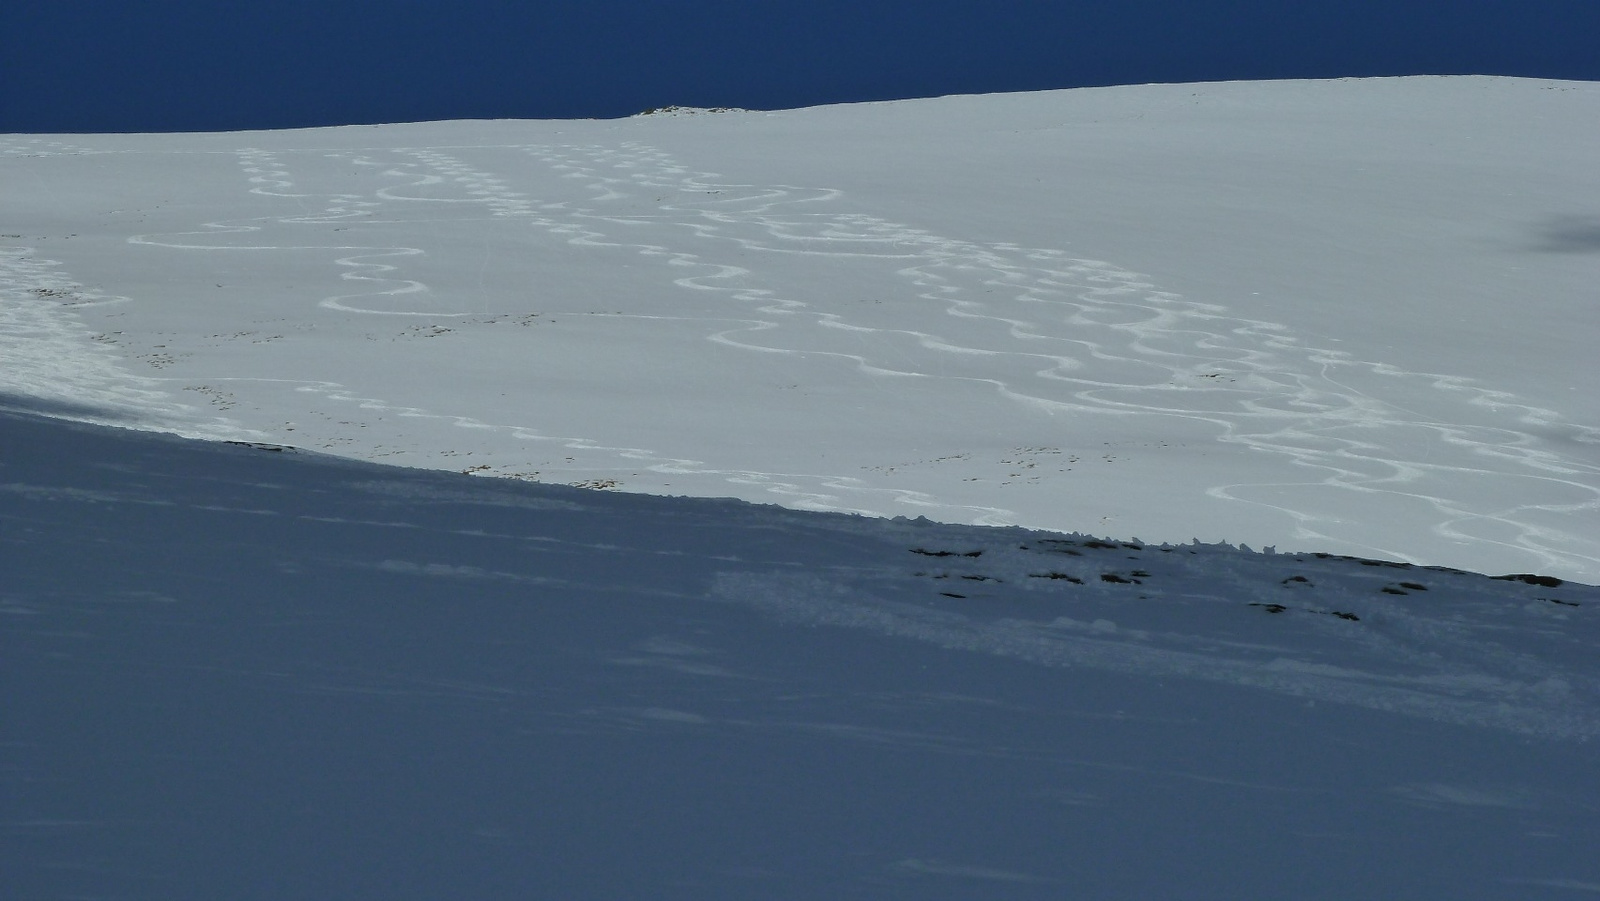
(1354, 317)
(1348, 323)
(240, 671)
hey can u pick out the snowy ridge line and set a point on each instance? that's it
(13, 146)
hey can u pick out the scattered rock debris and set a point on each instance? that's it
(1082, 547)
(1531, 579)
(1280, 608)
(257, 445)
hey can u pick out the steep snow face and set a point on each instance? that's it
(1353, 317)
(241, 671)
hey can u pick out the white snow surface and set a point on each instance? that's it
(1348, 319)
(249, 672)
(1350, 316)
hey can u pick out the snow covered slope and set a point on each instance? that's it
(244, 672)
(1355, 317)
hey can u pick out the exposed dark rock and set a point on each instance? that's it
(1073, 579)
(1531, 579)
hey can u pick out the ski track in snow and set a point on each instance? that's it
(1047, 331)
(1079, 336)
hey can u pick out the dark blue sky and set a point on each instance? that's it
(165, 65)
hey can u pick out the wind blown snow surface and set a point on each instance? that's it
(236, 671)
(1355, 317)
(1353, 320)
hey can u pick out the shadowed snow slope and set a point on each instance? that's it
(1354, 316)
(249, 672)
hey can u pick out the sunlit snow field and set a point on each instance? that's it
(562, 656)
(1346, 316)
